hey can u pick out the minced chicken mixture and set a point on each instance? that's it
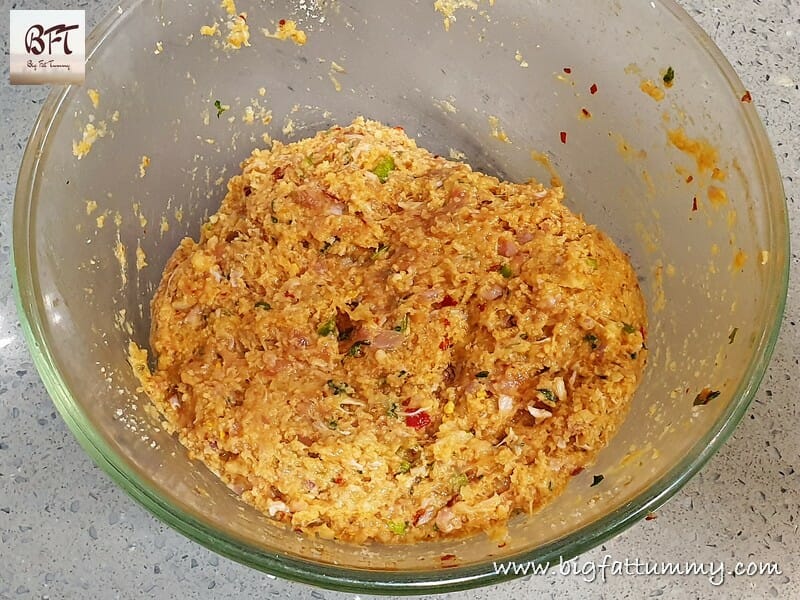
(370, 342)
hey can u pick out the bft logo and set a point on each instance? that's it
(47, 46)
(36, 36)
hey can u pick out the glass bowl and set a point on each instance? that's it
(680, 173)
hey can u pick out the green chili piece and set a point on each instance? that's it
(327, 328)
(384, 167)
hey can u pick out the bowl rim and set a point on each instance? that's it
(31, 311)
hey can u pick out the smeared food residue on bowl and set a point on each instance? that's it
(90, 134)
(287, 30)
(448, 9)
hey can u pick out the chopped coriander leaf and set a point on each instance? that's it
(458, 481)
(392, 411)
(333, 424)
(397, 527)
(381, 252)
(340, 388)
(357, 349)
(705, 396)
(346, 334)
(669, 76)
(327, 328)
(384, 167)
(506, 271)
(264, 305)
(482, 374)
(628, 328)
(402, 373)
(548, 394)
(593, 340)
(328, 243)
(221, 108)
(403, 326)
(592, 262)
(405, 467)
(596, 480)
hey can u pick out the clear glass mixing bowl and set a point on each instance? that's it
(715, 278)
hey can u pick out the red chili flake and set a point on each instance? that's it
(447, 557)
(747, 98)
(593, 89)
(563, 135)
(586, 113)
(277, 173)
(418, 420)
(567, 70)
(448, 300)
(650, 516)
(446, 343)
(446, 322)
(417, 516)
(643, 331)
(576, 471)
(338, 480)
(289, 295)
(399, 128)
(495, 268)
(282, 22)
(481, 307)
(694, 204)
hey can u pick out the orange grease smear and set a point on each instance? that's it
(703, 152)
(718, 196)
(719, 174)
(544, 160)
(739, 260)
(652, 90)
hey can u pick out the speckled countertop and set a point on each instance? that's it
(66, 531)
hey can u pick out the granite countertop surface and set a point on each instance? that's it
(67, 531)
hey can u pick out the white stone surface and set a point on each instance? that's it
(66, 531)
